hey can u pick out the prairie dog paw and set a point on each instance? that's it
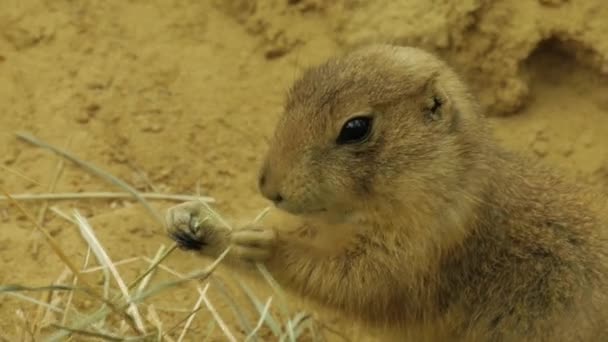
(254, 244)
(190, 226)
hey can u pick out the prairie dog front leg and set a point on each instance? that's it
(289, 248)
(193, 228)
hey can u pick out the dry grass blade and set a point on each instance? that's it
(195, 309)
(20, 288)
(216, 315)
(269, 278)
(59, 252)
(35, 236)
(86, 321)
(204, 274)
(74, 283)
(100, 314)
(52, 187)
(153, 265)
(142, 175)
(297, 324)
(261, 215)
(184, 319)
(89, 333)
(41, 215)
(216, 215)
(107, 279)
(105, 195)
(261, 321)
(26, 324)
(117, 263)
(54, 245)
(276, 288)
(190, 313)
(63, 215)
(145, 280)
(36, 301)
(19, 174)
(153, 318)
(210, 329)
(274, 285)
(170, 271)
(104, 259)
(47, 298)
(93, 169)
(236, 308)
(269, 319)
(199, 275)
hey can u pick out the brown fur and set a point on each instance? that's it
(428, 229)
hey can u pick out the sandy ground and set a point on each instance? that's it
(181, 96)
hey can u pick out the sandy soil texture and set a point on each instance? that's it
(181, 96)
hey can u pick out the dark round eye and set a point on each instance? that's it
(355, 130)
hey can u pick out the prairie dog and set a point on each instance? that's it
(396, 207)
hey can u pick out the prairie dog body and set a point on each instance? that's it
(396, 207)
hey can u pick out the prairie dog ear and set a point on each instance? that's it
(438, 106)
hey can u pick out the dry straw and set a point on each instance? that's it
(119, 316)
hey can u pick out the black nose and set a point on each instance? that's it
(268, 187)
(277, 198)
(273, 196)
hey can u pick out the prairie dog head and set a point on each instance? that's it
(379, 127)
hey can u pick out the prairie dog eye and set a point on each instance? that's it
(355, 130)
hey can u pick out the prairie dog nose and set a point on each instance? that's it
(268, 185)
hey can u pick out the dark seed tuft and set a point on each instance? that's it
(187, 240)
